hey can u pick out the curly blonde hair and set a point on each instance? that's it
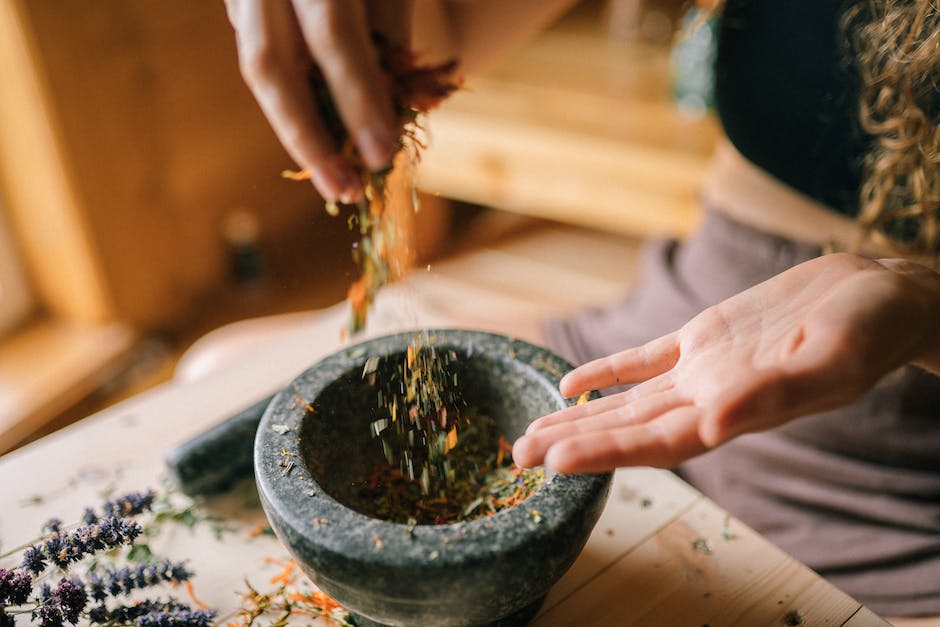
(896, 45)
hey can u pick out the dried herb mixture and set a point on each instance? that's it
(415, 89)
(481, 481)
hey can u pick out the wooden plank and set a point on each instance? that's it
(610, 257)
(38, 184)
(578, 127)
(163, 141)
(704, 568)
(50, 365)
(556, 174)
(642, 501)
(864, 617)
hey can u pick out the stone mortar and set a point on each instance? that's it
(493, 571)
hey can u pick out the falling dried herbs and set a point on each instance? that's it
(422, 420)
(415, 89)
(481, 482)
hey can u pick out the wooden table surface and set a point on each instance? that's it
(661, 554)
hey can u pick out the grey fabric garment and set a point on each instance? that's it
(853, 493)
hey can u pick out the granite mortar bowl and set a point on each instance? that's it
(493, 571)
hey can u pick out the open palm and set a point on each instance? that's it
(808, 340)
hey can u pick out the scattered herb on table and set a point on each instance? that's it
(288, 598)
(702, 545)
(726, 532)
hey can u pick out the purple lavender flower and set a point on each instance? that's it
(125, 579)
(64, 604)
(70, 597)
(49, 616)
(53, 525)
(130, 504)
(14, 587)
(34, 560)
(57, 548)
(89, 517)
(177, 618)
(96, 586)
(129, 613)
(120, 580)
(108, 533)
(45, 593)
(161, 572)
(64, 549)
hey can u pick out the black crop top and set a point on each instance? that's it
(787, 95)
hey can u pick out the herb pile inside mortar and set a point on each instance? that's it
(444, 462)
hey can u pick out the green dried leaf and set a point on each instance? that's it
(140, 553)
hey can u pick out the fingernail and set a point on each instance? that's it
(376, 147)
(549, 459)
(337, 181)
(519, 452)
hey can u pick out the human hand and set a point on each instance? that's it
(278, 43)
(808, 340)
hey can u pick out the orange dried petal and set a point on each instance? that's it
(296, 175)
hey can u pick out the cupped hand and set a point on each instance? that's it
(808, 340)
(278, 44)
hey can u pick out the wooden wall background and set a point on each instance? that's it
(162, 140)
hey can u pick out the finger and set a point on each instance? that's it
(392, 19)
(275, 66)
(653, 386)
(532, 447)
(338, 37)
(577, 412)
(629, 366)
(664, 442)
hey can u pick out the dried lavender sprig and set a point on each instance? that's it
(102, 615)
(125, 506)
(113, 582)
(177, 618)
(64, 549)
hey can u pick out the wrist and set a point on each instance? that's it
(923, 285)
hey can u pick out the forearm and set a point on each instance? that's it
(479, 32)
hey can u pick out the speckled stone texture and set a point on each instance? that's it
(493, 571)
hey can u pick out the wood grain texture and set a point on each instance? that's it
(576, 127)
(50, 365)
(39, 185)
(163, 140)
(689, 573)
